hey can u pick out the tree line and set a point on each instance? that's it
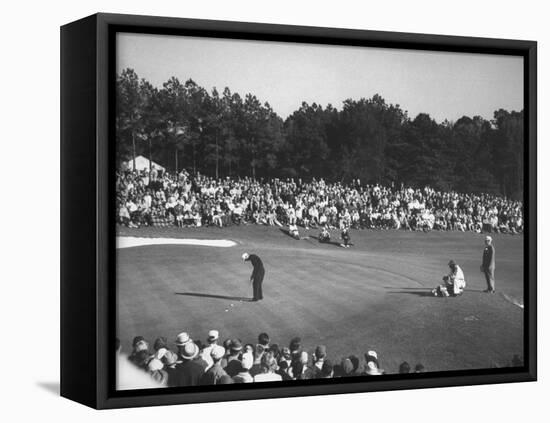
(182, 125)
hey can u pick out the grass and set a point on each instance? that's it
(374, 295)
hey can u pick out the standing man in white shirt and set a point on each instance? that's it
(212, 340)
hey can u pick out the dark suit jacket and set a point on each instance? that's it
(257, 264)
(489, 257)
(187, 373)
(233, 367)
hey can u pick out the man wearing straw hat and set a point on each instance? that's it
(188, 372)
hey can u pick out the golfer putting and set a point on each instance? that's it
(257, 275)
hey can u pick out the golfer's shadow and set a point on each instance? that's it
(423, 293)
(221, 297)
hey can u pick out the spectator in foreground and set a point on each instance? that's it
(274, 348)
(129, 376)
(372, 368)
(404, 368)
(212, 341)
(265, 362)
(170, 360)
(327, 371)
(155, 368)
(142, 359)
(233, 363)
(285, 357)
(188, 372)
(319, 357)
(295, 347)
(225, 380)
(299, 369)
(345, 369)
(215, 372)
(356, 365)
(419, 368)
(263, 340)
(244, 375)
(283, 370)
(268, 368)
(160, 344)
(140, 351)
(181, 341)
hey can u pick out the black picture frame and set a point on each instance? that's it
(87, 240)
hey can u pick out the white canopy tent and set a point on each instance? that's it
(142, 163)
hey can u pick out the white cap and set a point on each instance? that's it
(488, 238)
(182, 339)
(372, 369)
(160, 353)
(217, 352)
(245, 256)
(247, 361)
(213, 335)
(154, 365)
(169, 358)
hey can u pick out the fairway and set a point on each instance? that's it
(372, 296)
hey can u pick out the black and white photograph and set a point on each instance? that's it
(292, 211)
(279, 211)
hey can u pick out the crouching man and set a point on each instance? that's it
(453, 283)
(293, 231)
(324, 236)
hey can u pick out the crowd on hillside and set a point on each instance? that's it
(192, 363)
(167, 199)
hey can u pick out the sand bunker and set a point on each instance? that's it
(129, 241)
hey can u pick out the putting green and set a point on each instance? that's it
(374, 295)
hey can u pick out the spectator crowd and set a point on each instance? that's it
(193, 363)
(157, 198)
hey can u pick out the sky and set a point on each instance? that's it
(444, 85)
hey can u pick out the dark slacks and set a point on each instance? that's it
(490, 278)
(257, 280)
